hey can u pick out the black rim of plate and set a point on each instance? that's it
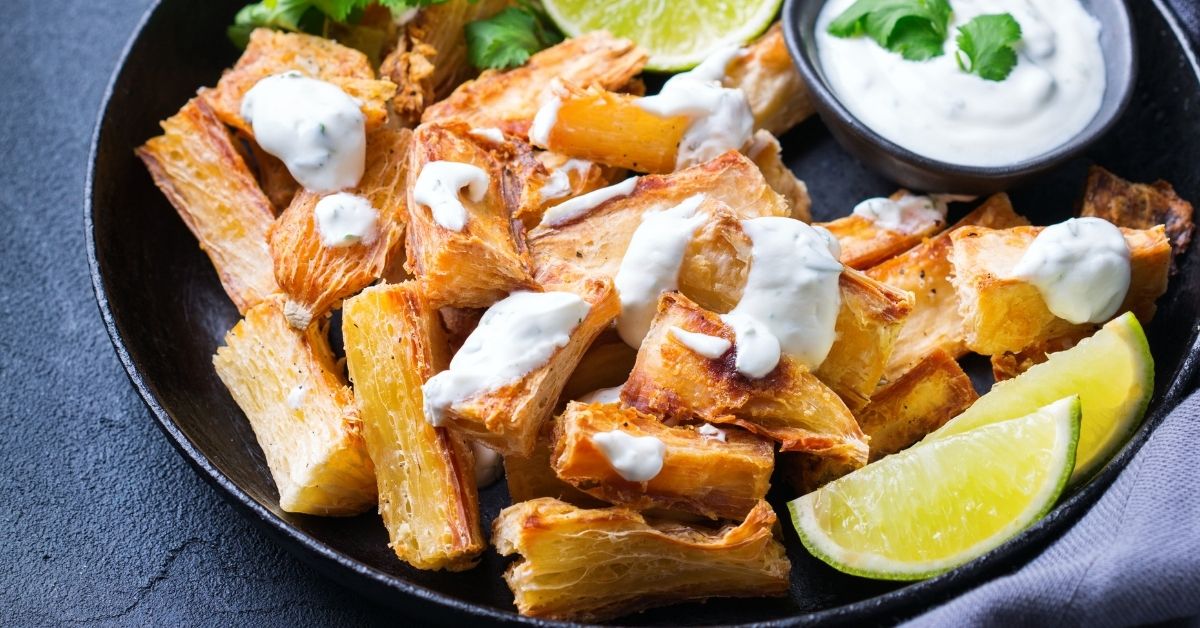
(325, 558)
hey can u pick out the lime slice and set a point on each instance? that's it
(935, 506)
(1113, 374)
(678, 35)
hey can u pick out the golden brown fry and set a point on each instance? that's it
(1008, 365)
(606, 364)
(868, 325)
(776, 93)
(1002, 313)
(923, 399)
(714, 272)
(530, 477)
(865, 243)
(546, 179)
(427, 496)
(509, 100)
(924, 270)
(273, 52)
(591, 565)
(508, 419)
(789, 405)
(199, 170)
(594, 242)
(767, 155)
(611, 129)
(1138, 206)
(487, 259)
(700, 474)
(316, 277)
(430, 58)
(272, 174)
(301, 410)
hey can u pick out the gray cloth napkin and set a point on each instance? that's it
(1134, 558)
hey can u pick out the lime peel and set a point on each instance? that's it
(678, 35)
(887, 520)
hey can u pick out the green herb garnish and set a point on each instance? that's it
(307, 16)
(986, 46)
(508, 38)
(915, 29)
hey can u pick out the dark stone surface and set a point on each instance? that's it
(102, 522)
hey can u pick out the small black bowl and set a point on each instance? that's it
(922, 173)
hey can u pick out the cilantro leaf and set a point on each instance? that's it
(307, 16)
(986, 46)
(297, 16)
(510, 37)
(915, 29)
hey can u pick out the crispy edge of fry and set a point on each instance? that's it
(272, 52)
(394, 343)
(530, 477)
(561, 546)
(789, 405)
(508, 100)
(536, 173)
(1139, 206)
(703, 475)
(430, 57)
(768, 156)
(200, 171)
(316, 277)
(1010, 364)
(271, 173)
(921, 400)
(488, 258)
(868, 325)
(870, 317)
(594, 243)
(1002, 313)
(766, 74)
(865, 244)
(508, 419)
(925, 270)
(315, 452)
(611, 129)
(606, 364)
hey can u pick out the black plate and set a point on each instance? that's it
(166, 313)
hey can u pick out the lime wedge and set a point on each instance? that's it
(1113, 374)
(937, 505)
(678, 35)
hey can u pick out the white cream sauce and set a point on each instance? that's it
(791, 299)
(603, 395)
(1081, 268)
(515, 336)
(651, 265)
(314, 127)
(635, 458)
(345, 219)
(908, 214)
(489, 465)
(720, 117)
(543, 121)
(935, 109)
(571, 209)
(703, 345)
(489, 133)
(710, 431)
(438, 186)
(559, 183)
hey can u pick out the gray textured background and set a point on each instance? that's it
(101, 522)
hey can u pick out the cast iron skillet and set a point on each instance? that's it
(166, 314)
